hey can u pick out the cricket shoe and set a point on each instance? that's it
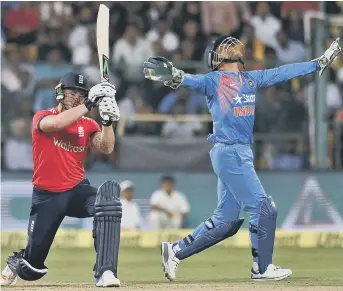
(8, 277)
(169, 261)
(107, 279)
(272, 273)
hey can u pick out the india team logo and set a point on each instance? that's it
(81, 131)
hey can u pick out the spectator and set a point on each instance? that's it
(334, 99)
(158, 10)
(301, 6)
(288, 51)
(130, 52)
(266, 25)
(191, 32)
(18, 148)
(133, 104)
(52, 40)
(168, 39)
(270, 113)
(55, 11)
(79, 41)
(294, 26)
(131, 219)
(48, 75)
(250, 42)
(289, 159)
(188, 51)
(223, 17)
(22, 23)
(195, 102)
(185, 130)
(9, 77)
(270, 58)
(169, 208)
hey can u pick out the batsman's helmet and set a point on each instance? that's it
(71, 81)
(225, 49)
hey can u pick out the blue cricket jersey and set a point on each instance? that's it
(231, 97)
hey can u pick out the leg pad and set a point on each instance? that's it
(214, 235)
(25, 271)
(106, 227)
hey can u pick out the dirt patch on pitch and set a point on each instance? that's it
(174, 287)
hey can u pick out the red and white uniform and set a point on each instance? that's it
(58, 157)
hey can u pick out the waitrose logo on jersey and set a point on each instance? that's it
(68, 147)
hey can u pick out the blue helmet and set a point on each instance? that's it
(71, 81)
(225, 49)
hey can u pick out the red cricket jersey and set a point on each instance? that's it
(58, 157)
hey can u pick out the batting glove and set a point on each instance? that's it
(109, 111)
(98, 92)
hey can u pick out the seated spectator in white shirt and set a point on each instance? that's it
(169, 208)
(18, 147)
(130, 51)
(131, 218)
(162, 34)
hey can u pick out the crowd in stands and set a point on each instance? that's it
(41, 41)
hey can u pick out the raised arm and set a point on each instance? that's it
(268, 78)
(271, 77)
(201, 82)
(104, 141)
(160, 69)
(109, 112)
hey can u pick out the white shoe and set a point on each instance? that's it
(8, 277)
(169, 261)
(272, 273)
(108, 280)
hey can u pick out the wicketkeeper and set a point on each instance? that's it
(230, 95)
(60, 139)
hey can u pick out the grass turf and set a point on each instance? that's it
(311, 267)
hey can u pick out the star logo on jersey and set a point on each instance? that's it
(238, 99)
(81, 131)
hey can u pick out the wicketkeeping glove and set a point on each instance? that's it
(329, 56)
(109, 110)
(161, 69)
(98, 92)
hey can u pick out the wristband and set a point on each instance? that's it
(106, 123)
(89, 104)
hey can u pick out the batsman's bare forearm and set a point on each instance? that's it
(60, 121)
(104, 141)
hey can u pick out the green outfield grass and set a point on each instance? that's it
(311, 267)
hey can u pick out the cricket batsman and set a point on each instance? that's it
(230, 95)
(60, 138)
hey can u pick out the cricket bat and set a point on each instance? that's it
(102, 39)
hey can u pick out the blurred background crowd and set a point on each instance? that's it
(41, 41)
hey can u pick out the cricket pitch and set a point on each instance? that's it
(214, 269)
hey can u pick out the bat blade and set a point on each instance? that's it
(102, 35)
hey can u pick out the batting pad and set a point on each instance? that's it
(106, 232)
